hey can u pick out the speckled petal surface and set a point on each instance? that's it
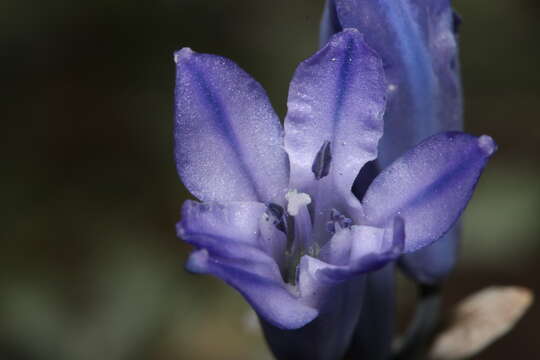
(228, 139)
(236, 220)
(336, 96)
(429, 186)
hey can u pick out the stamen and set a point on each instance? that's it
(337, 222)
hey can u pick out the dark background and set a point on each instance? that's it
(90, 267)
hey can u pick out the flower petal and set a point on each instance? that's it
(366, 249)
(268, 296)
(338, 97)
(429, 186)
(329, 335)
(350, 252)
(229, 142)
(336, 291)
(232, 230)
(229, 246)
(237, 221)
(417, 43)
(430, 265)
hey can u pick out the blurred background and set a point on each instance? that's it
(90, 267)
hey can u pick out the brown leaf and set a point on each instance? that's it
(479, 320)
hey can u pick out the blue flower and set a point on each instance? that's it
(278, 220)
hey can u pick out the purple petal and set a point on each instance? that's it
(369, 249)
(430, 265)
(329, 335)
(429, 186)
(232, 229)
(337, 292)
(229, 246)
(229, 232)
(239, 221)
(268, 296)
(229, 143)
(336, 96)
(323, 286)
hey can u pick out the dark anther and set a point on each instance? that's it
(337, 221)
(321, 165)
(276, 210)
(276, 213)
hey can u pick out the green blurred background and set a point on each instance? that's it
(90, 267)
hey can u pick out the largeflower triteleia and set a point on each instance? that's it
(278, 220)
(417, 41)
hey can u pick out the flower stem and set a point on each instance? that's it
(423, 326)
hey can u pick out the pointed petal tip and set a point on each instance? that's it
(228, 138)
(487, 144)
(352, 37)
(429, 186)
(183, 54)
(338, 92)
(342, 38)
